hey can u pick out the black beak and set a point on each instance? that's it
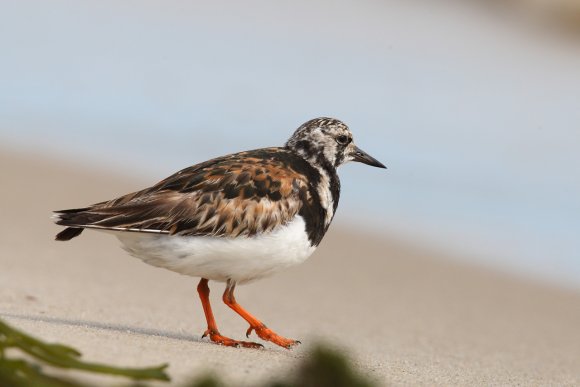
(363, 157)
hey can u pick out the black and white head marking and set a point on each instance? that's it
(325, 142)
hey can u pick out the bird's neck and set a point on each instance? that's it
(315, 157)
(326, 186)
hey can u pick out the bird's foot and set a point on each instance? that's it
(217, 338)
(267, 334)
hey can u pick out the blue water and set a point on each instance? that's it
(476, 116)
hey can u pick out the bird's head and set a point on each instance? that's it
(328, 142)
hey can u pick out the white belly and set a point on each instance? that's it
(220, 258)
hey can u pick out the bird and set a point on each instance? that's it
(233, 219)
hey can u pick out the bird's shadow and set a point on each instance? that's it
(106, 326)
(151, 332)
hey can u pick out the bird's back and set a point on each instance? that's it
(240, 195)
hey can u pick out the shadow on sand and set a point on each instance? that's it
(106, 326)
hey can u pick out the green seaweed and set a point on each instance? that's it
(323, 367)
(19, 372)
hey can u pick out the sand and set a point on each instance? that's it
(406, 315)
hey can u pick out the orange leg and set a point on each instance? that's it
(212, 329)
(255, 325)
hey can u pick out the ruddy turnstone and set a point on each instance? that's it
(235, 218)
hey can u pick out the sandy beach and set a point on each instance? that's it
(404, 314)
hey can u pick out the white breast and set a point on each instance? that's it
(219, 258)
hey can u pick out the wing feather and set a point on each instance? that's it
(238, 195)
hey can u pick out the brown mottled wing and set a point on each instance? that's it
(246, 193)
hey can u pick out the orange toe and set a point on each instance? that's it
(217, 338)
(267, 334)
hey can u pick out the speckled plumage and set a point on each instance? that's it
(243, 194)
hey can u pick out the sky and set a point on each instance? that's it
(475, 112)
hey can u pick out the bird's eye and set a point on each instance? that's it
(343, 140)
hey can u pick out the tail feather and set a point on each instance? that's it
(72, 211)
(67, 218)
(69, 233)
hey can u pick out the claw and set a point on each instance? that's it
(292, 345)
(249, 331)
(265, 333)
